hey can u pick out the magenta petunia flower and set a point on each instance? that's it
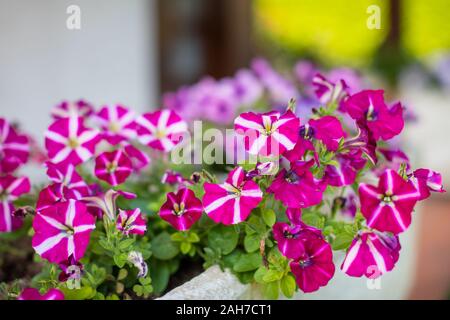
(131, 222)
(327, 129)
(297, 187)
(67, 109)
(426, 180)
(67, 176)
(161, 130)
(364, 141)
(62, 230)
(33, 294)
(117, 123)
(232, 201)
(172, 178)
(371, 254)
(290, 239)
(139, 159)
(268, 134)
(327, 91)
(11, 188)
(315, 267)
(182, 209)
(294, 215)
(113, 167)
(14, 148)
(69, 141)
(344, 174)
(388, 206)
(369, 109)
(53, 194)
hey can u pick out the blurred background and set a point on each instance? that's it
(132, 51)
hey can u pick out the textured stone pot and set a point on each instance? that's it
(217, 285)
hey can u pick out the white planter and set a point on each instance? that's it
(217, 285)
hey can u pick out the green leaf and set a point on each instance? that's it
(287, 286)
(260, 273)
(223, 238)
(120, 259)
(193, 237)
(78, 294)
(248, 262)
(313, 219)
(251, 242)
(163, 247)
(122, 274)
(125, 244)
(272, 275)
(269, 217)
(271, 290)
(255, 224)
(185, 247)
(160, 274)
(342, 241)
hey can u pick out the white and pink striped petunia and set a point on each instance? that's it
(161, 130)
(14, 148)
(68, 141)
(232, 201)
(182, 209)
(67, 109)
(388, 206)
(117, 123)
(11, 188)
(268, 134)
(131, 222)
(62, 230)
(113, 167)
(371, 254)
(67, 176)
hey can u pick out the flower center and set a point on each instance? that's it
(371, 114)
(305, 263)
(111, 167)
(179, 209)
(114, 127)
(73, 143)
(292, 177)
(159, 134)
(306, 132)
(70, 230)
(387, 198)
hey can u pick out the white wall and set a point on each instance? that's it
(111, 59)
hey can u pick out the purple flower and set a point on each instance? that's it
(328, 92)
(426, 180)
(33, 294)
(131, 222)
(370, 110)
(67, 109)
(297, 187)
(113, 167)
(71, 269)
(290, 239)
(14, 148)
(315, 267)
(117, 123)
(344, 174)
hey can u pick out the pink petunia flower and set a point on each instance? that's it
(67, 109)
(290, 239)
(344, 174)
(232, 201)
(328, 92)
(315, 267)
(268, 134)
(14, 148)
(131, 222)
(426, 180)
(371, 254)
(297, 187)
(117, 123)
(139, 159)
(11, 188)
(69, 141)
(67, 176)
(62, 231)
(161, 130)
(294, 215)
(113, 167)
(388, 206)
(369, 109)
(53, 194)
(34, 294)
(182, 209)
